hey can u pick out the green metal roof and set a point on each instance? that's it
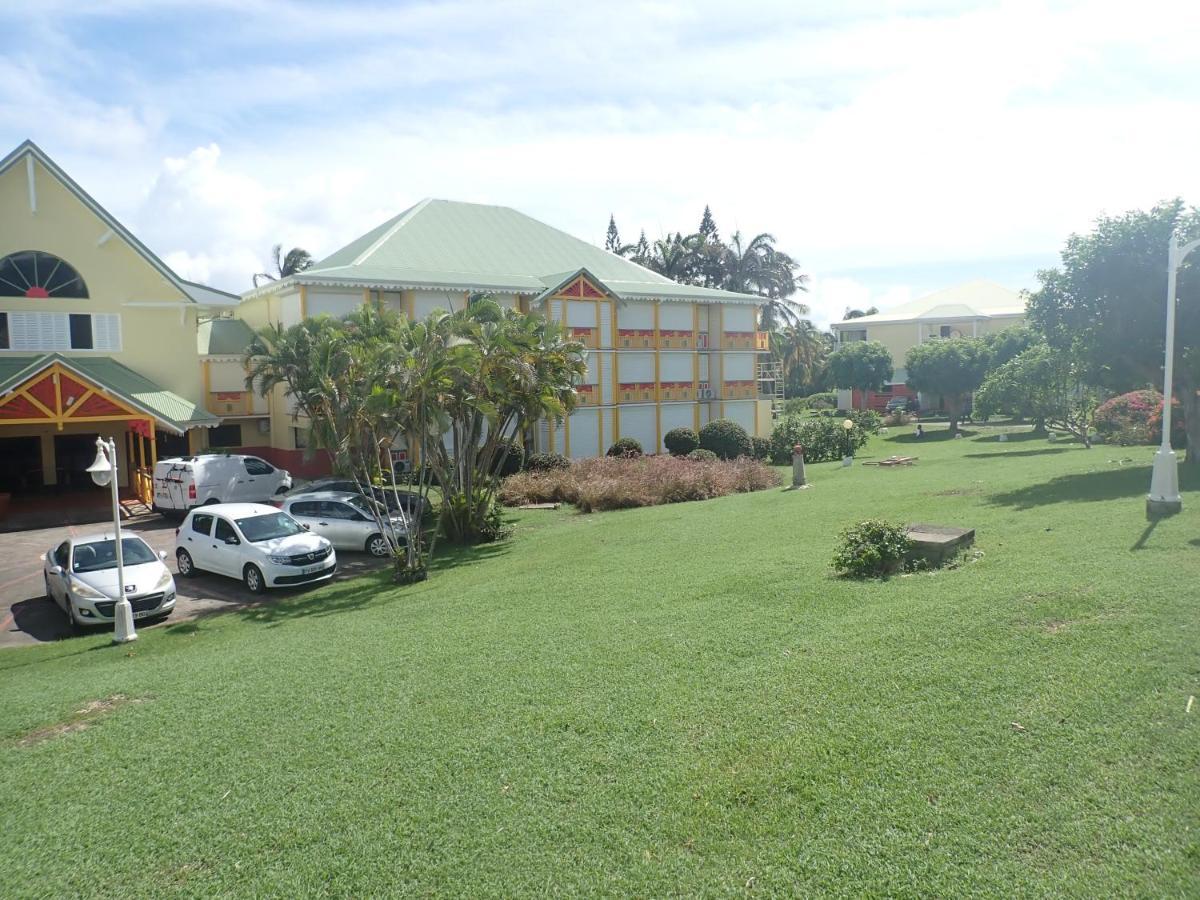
(176, 413)
(223, 337)
(444, 244)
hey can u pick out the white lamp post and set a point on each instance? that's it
(104, 472)
(1164, 498)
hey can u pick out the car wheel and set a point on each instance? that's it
(211, 501)
(253, 576)
(72, 622)
(377, 545)
(183, 561)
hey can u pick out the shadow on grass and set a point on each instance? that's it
(1140, 543)
(1044, 451)
(941, 434)
(365, 587)
(1113, 484)
(1014, 437)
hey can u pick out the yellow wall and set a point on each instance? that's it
(898, 337)
(158, 343)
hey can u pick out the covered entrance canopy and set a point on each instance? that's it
(43, 396)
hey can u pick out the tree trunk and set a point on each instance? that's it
(1190, 404)
(1039, 426)
(954, 423)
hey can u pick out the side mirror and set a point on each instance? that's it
(162, 554)
(232, 540)
(57, 570)
(304, 525)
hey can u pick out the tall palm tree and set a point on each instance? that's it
(296, 260)
(802, 348)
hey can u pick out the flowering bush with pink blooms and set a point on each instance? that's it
(1136, 418)
(623, 482)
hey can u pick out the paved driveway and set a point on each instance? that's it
(28, 617)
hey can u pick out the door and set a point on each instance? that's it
(308, 513)
(256, 480)
(226, 548)
(348, 528)
(56, 582)
(196, 539)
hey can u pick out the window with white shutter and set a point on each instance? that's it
(46, 331)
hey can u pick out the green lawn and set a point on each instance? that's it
(661, 701)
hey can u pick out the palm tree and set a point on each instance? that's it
(296, 260)
(802, 348)
(859, 313)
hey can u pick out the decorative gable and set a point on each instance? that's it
(581, 288)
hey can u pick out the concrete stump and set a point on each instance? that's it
(937, 543)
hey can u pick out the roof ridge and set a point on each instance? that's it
(401, 220)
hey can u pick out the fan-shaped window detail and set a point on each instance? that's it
(32, 273)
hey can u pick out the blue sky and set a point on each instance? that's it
(894, 148)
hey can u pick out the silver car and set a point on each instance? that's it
(81, 577)
(345, 519)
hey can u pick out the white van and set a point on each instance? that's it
(185, 482)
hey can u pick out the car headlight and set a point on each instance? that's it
(279, 560)
(85, 591)
(164, 581)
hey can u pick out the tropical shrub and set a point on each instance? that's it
(701, 455)
(866, 419)
(681, 441)
(871, 549)
(823, 438)
(760, 448)
(824, 400)
(795, 406)
(725, 438)
(1136, 418)
(625, 446)
(545, 462)
(624, 482)
(513, 462)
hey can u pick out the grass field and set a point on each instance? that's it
(675, 700)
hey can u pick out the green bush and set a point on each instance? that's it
(625, 446)
(702, 455)
(872, 549)
(727, 439)
(1136, 418)
(866, 419)
(513, 462)
(825, 400)
(546, 462)
(681, 441)
(760, 448)
(824, 439)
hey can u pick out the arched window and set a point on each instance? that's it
(32, 273)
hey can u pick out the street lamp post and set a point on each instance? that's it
(1164, 498)
(104, 472)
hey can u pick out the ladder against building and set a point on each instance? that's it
(770, 383)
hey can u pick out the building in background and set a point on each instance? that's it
(967, 310)
(97, 336)
(661, 354)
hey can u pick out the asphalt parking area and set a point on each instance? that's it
(27, 616)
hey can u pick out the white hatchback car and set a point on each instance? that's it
(81, 577)
(259, 544)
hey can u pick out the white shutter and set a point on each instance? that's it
(605, 323)
(106, 332)
(39, 331)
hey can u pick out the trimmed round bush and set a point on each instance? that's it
(681, 441)
(871, 549)
(760, 448)
(513, 462)
(547, 462)
(702, 455)
(625, 446)
(725, 438)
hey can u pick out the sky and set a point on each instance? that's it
(893, 148)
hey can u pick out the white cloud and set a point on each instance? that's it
(869, 135)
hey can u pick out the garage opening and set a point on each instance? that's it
(73, 453)
(21, 465)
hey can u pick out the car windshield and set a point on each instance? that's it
(268, 527)
(97, 555)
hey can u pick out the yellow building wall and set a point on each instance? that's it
(158, 343)
(899, 337)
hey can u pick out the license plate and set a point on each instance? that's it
(308, 570)
(143, 614)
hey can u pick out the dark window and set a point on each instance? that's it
(31, 273)
(224, 531)
(225, 436)
(887, 389)
(62, 554)
(257, 466)
(4, 344)
(81, 331)
(944, 331)
(202, 524)
(307, 509)
(331, 509)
